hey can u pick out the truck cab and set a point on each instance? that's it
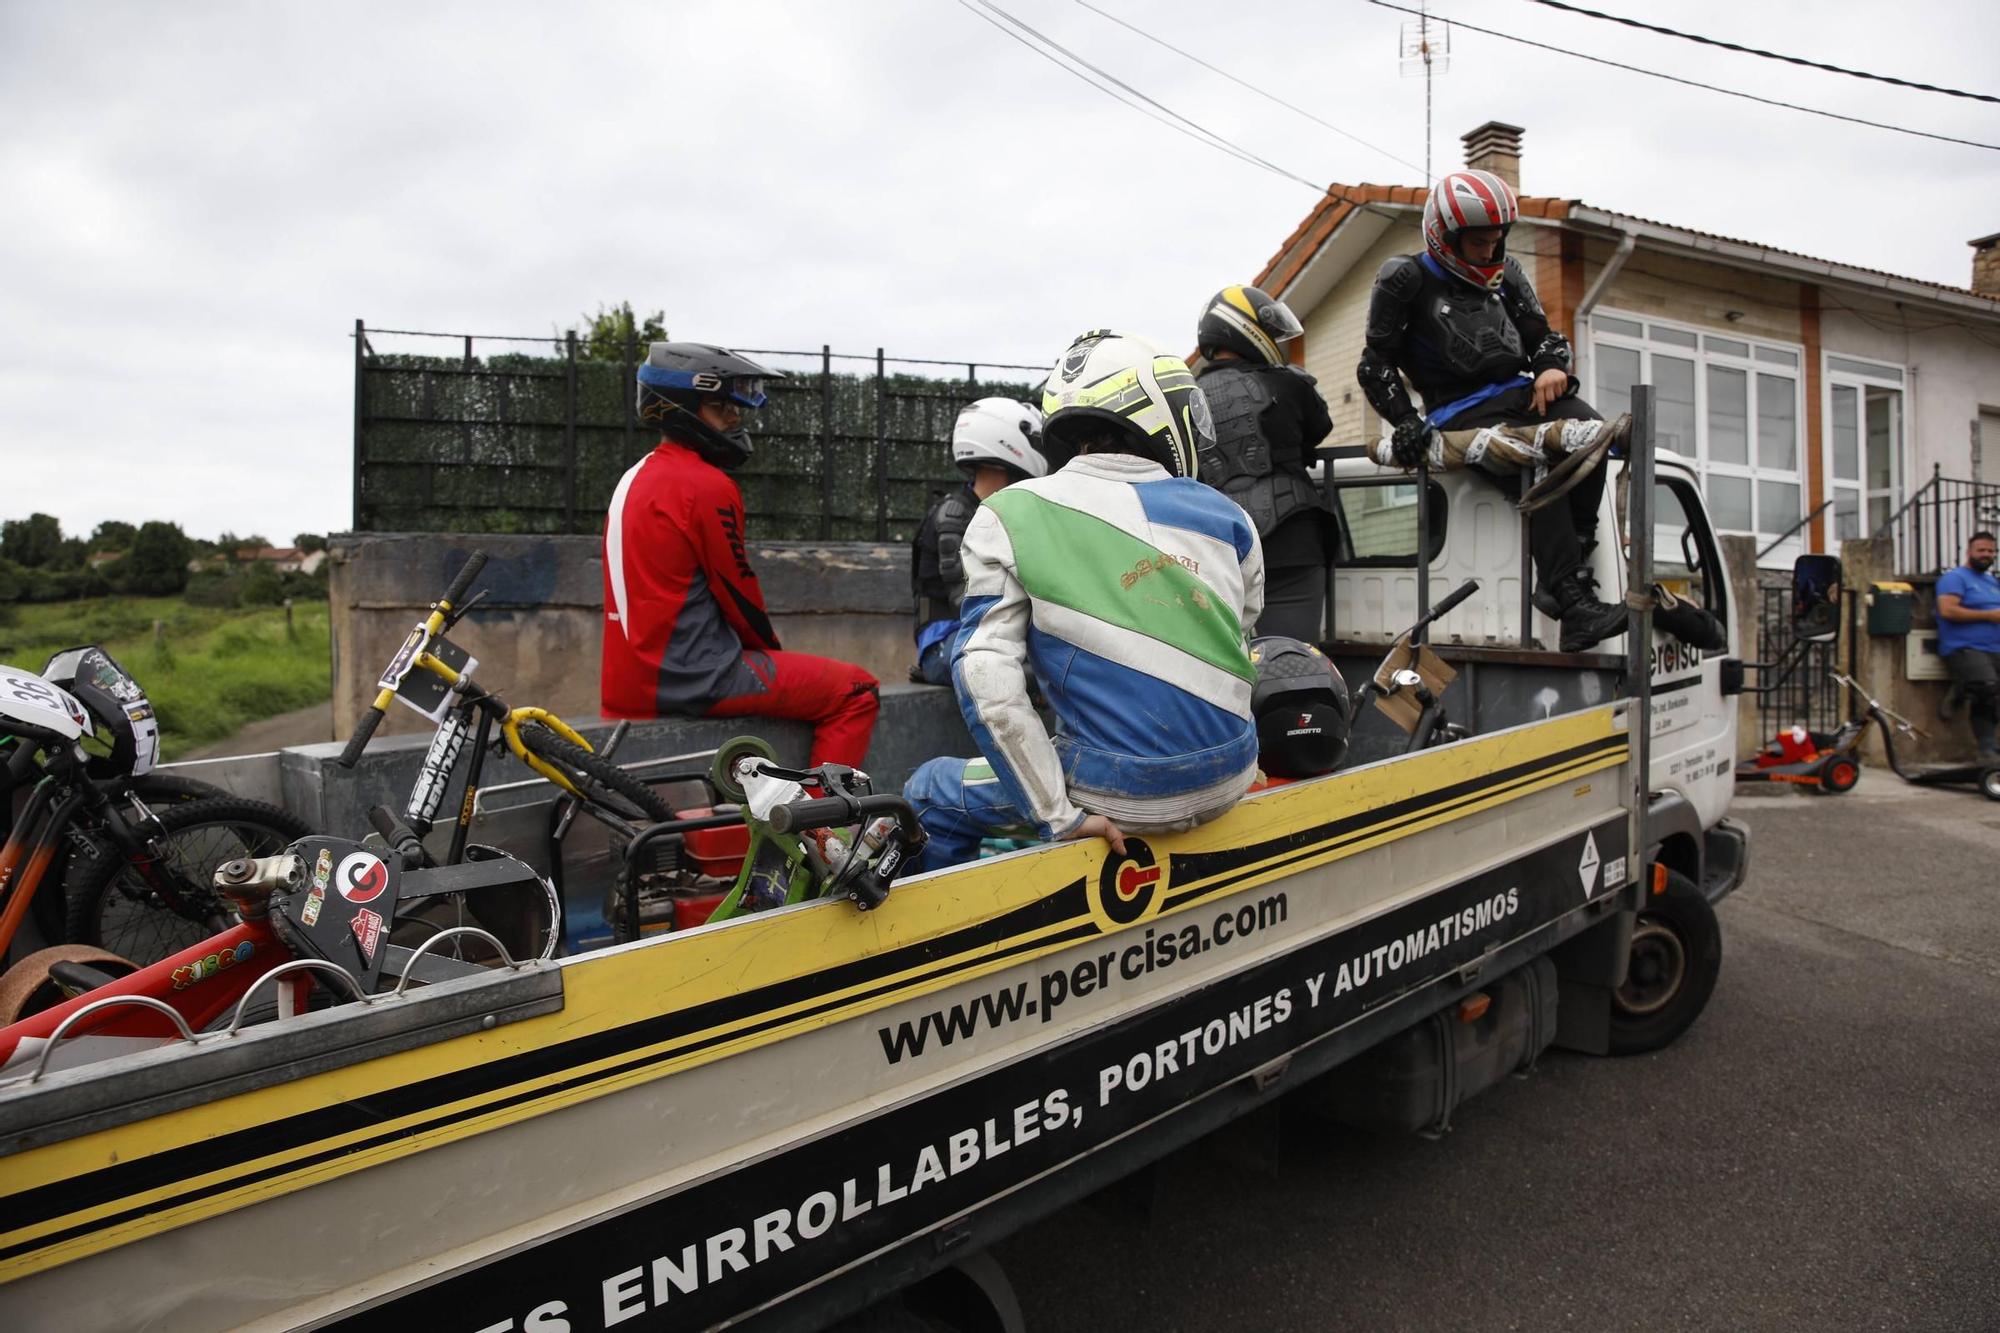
(1503, 648)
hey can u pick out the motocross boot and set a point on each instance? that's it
(1586, 621)
(1692, 625)
(1544, 600)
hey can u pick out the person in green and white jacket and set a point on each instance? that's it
(1128, 588)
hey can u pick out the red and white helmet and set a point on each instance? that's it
(1464, 201)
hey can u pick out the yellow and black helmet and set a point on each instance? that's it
(1127, 382)
(1247, 322)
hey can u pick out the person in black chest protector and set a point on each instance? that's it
(1269, 418)
(1462, 322)
(995, 442)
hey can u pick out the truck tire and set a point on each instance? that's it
(1676, 956)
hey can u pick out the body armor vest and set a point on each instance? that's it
(1259, 472)
(1470, 332)
(939, 572)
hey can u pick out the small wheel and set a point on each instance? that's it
(1675, 958)
(1989, 784)
(1838, 774)
(724, 772)
(601, 781)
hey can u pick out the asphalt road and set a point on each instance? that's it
(1821, 1151)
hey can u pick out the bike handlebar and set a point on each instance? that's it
(1451, 600)
(456, 592)
(359, 740)
(822, 811)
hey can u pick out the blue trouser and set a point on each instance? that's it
(934, 663)
(959, 801)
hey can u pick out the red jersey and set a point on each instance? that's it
(681, 602)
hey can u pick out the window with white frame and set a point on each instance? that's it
(1731, 405)
(1864, 444)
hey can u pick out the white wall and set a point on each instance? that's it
(1952, 376)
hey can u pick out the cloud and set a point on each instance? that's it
(202, 199)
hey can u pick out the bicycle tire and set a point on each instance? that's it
(113, 908)
(597, 776)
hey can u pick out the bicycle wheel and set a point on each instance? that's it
(114, 907)
(600, 780)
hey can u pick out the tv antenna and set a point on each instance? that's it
(1426, 49)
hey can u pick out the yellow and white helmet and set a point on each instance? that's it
(1249, 323)
(1129, 383)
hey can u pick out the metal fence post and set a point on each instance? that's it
(629, 380)
(360, 411)
(826, 441)
(1639, 627)
(881, 449)
(569, 433)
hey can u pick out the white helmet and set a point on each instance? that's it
(1000, 432)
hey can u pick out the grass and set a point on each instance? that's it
(213, 669)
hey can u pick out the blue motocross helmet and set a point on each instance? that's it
(676, 378)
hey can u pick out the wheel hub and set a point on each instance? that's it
(1656, 968)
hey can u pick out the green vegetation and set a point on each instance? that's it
(212, 669)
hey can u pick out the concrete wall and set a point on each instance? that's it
(1951, 378)
(1879, 662)
(538, 633)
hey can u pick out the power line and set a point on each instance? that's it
(1189, 128)
(1768, 55)
(1192, 127)
(1266, 94)
(1691, 83)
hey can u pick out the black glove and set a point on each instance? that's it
(1408, 441)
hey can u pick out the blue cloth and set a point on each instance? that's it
(1439, 416)
(958, 810)
(938, 631)
(934, 662)
(1975, 592)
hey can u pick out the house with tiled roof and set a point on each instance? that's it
(1791, 382)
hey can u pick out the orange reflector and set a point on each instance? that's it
(1659, 878)
(1473, 1007)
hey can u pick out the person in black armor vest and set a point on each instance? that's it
(995, 442)
(1462, 323)
(1268, 420)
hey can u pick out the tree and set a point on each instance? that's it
(32, 542)
(111, 535)
(308, 542)
(262, 585)
(604, 335)
(158, 561)
(70, 553)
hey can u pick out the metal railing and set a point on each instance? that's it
(1804, 693)
(1931, 529)
(490, 433)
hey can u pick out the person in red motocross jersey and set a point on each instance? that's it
(685, 630)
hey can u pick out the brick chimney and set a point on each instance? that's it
(1986, 264)
(1496, 147)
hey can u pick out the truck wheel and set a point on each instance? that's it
(1989, 784)
(1838, 774)
(1675, 958)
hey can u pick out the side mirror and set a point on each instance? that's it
(1816, 597)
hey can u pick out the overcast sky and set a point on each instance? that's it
(197, 200)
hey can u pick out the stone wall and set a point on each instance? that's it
(538, 632)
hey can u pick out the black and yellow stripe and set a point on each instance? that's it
(625, 1021)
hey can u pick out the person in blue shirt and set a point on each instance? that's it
(1968, 613)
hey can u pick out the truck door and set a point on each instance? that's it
(1694, 726)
